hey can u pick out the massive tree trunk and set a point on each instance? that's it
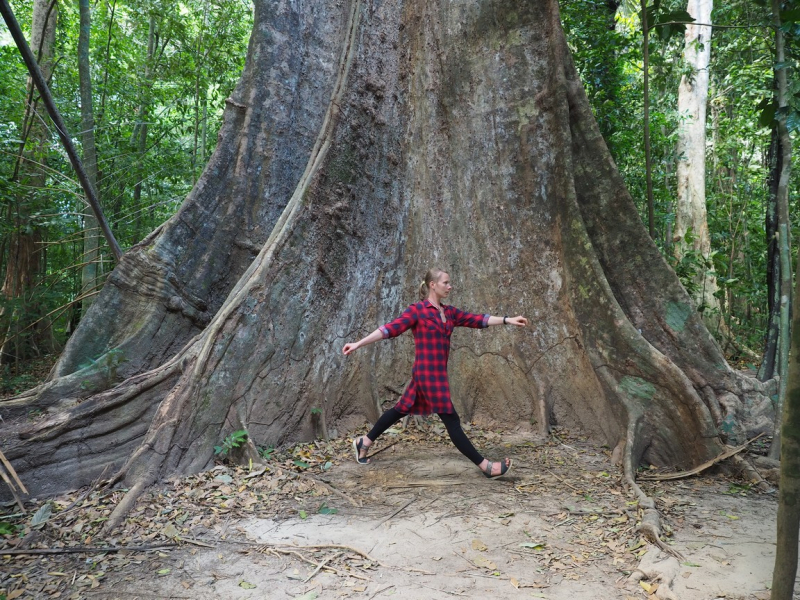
(23, 330)
(690, 214)
(365, 142)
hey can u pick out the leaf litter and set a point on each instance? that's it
(587, 519)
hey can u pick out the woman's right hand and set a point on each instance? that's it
(348, 348)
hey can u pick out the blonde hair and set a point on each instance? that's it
(431, 276)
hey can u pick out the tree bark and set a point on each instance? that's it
(784, 229)
(648, 174)
(140, 135)
(91, 228)
(783, 576)
(690, 211)
(365, 143)
(769, 361)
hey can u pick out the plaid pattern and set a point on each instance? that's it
(429, 390)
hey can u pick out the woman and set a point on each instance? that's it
(431, 322)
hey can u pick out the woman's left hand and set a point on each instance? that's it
(519, 321)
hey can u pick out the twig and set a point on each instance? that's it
(308, 560)
(443, 591)
(332, 489)
(727, 454)
(382, 449)
(13, 473)
(427, 483)
(195, 542)
(322, 564)
(406, 505)
(466, 559)
(87, 549)
(13, 489)
(388, 587)
(572, 487)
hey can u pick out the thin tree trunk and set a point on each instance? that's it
(91, 236)
(107, 60)
(769, 362)
(691, 151)
(648, 169)
(141, 130)
(783, 576)
(782, 201)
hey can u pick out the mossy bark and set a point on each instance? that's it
(366, 142)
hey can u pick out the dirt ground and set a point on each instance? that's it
(420, 522)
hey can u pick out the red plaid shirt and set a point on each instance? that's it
(429, 390)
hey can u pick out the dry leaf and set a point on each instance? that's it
(479, 546)
(485, 563)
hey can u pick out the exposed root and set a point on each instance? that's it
(658, 570)
(750, 474)
(650, 527)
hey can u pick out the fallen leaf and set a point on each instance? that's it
(479, 546)
(247, 585)
(514, 582)
(312, 595)
(163, 571)
(533, 545)
(485, 563)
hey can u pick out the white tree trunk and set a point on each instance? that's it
(691, 205)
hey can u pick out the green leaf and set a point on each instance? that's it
(767, 116)
(790, 16)
(680, 16)
(533, 545)
(247, 585)
(163, 571)
(301, 464)
(312, 595)
(303, 514)
(324, 509)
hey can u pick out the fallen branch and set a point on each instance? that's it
(710, 463)
(86, 549)
(7, 473)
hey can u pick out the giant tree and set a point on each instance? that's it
(365, 142)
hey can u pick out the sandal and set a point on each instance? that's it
(503, 469)
(358, 444)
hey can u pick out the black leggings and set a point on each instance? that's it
(451, 422)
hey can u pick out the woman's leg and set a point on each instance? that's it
(459, 438)
(461, 441)
(389, 418)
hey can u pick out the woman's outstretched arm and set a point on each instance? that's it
(372, 337)
(519, 321)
